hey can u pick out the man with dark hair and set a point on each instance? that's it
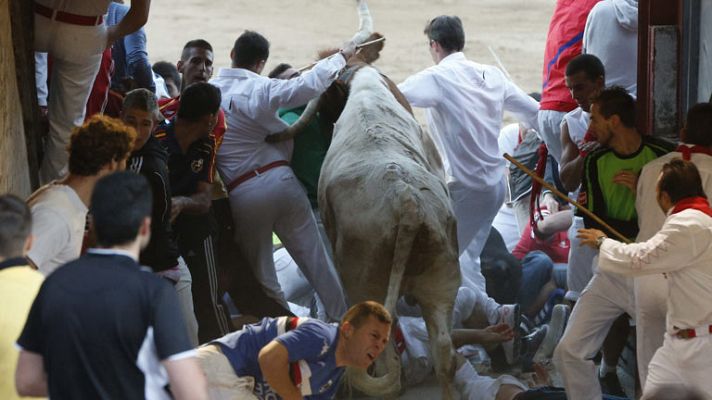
(682, 251)
(264, 194)
(127, 338)
(195, 65)
(608, 190)
(150, 159)
(99, 147)
(18, 284)
(651, 291)
(465, 101)
(294, 358)
(191, 157)
(250, 49)
(585, 77)
(170, 75)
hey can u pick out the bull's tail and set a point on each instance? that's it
(408, 225)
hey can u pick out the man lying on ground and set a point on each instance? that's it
(294, 358)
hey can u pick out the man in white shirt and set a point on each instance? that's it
(265, 195)
(59, 209)
(651, 290)
(465, 102)
(682, 251)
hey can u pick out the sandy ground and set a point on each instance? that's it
(515, 29)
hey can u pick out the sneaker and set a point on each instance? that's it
(544, 315)
(530, 345)
(610, 385)
(510, 314)
(559, 318)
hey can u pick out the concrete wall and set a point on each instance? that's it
(704, 88)
(14, 175)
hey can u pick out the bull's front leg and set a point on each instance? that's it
(437, 319)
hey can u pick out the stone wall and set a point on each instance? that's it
(14, 171)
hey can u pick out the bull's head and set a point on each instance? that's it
(330, 104)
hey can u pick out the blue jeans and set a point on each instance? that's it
(536, 272)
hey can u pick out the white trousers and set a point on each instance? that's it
(184, 289)
(76, 55)
(605, 298)
(276, 202)
(581, 258)
(473, 386)
(550, 131)
(651, 294)
(681, 362)
(223, 382)
(474, 211)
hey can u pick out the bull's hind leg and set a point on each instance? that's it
(437, 319)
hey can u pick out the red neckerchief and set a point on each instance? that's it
(539, 170)
(687, 151)
(696, 203)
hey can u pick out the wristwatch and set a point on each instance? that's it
(599, 241)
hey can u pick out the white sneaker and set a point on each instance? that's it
(557, 325)
(510, 314)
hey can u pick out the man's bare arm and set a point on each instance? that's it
(187, 379)
(30, 376)
(274, 363)
(571, 166)
(134, 19)
(198, 203)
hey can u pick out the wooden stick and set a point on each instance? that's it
(362, 45)
(564, 197)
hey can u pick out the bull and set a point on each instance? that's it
(387, 213)
(386, 208)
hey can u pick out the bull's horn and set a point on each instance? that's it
(365, 23)
(388, 384)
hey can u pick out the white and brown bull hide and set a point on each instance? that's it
(386, 210)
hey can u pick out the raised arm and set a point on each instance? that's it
(134, 19)
(571, 166)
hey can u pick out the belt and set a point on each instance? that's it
(693, 333)
(69, 18)
(247, 176)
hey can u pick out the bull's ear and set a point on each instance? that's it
(369, 54)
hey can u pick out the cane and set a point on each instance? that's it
(358, 47)
(565, 197)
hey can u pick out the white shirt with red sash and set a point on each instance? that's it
(650, 216)
(682, 250)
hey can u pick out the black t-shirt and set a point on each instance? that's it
(189, 168)
(102, 325)
(151, 162)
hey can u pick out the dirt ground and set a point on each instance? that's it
(514, 29)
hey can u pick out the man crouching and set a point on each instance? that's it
(294, 358)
